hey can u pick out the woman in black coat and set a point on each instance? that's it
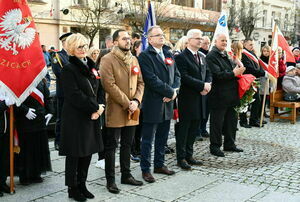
(80, 129)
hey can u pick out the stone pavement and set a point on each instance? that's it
(267, 170)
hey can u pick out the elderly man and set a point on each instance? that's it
(223, 98)
(195, 83)
(124, 87)
(204, 47)
(161, 79)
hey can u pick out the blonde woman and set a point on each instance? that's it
(80, 131)
(180, 45)
(237, 48)
(93, 53)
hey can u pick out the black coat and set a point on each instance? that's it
(224, 92)
(251, 66)
(191, 104)
(160, 81)
(4, 118)
(39, 123)
(80, 136)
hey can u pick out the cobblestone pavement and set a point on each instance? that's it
(267, 170)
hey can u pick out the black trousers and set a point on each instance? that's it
(222, 121)
(254, 110)
(185, 138)
(59, 105)
(76, 170)
(136, 144)
(4, 157)
(111, 143)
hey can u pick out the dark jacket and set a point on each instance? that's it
(39, 123)
(80, 135)
(4, 118)
(160, 81)
(251, 66)
(57, 68)
(224, 91)
(191, 104)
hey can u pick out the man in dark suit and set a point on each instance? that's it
(162, 79)
(195, 83)
(59, 60)
(252, 67)
(223, 98)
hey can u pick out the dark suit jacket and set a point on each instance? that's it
(160, 81)
(56, 68)
(224, 92)
(191, 104)
(251, 66)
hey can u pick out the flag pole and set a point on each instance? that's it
(11, 152)
(264, 103)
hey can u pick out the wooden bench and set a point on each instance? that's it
(276, 101)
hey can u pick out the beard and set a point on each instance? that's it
(124, 49)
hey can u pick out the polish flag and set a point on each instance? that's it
(285, 46)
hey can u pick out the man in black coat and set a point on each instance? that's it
(162, 79)
(195, 83)
(252, 67)
(5, 102)
(223, 98)
(59, 60)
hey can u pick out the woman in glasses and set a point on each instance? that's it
(80, 131)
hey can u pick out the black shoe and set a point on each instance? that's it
(85, 191)
(264, 122)
(256, 124)
(235, 149)
(1, 194)
(74, 192)
(131, 181)
(199, 138)
(112, 188)
(24, 181)
(205, 134)
(245, 125)
(36, 180)
(217, 152)
(4, 188)
(56, 146)
(184, 165)
(193, 161)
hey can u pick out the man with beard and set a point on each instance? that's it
(124, 87)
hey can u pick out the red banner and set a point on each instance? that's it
(22, 64)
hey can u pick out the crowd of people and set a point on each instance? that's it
(124, 95)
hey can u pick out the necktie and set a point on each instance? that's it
(161, 55)
(196, 58)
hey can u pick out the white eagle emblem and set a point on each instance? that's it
(15, 34)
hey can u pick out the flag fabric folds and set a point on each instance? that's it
(22, 65)
(150, 21)
(285, 46)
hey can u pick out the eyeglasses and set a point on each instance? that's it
(83, 47)
(158, 35)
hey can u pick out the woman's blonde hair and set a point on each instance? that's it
(74, 41)
(181, 44)
(91, 51)
(266, 47)
(237, 48)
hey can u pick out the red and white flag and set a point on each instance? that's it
(273, 60)
(289, 57)
(22, 64)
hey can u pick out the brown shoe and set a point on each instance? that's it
(148, 177)
(164, 170)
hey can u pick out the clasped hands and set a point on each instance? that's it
(207, 88)
(166, 99)
(133, 105)
(98, 113)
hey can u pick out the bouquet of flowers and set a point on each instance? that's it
(247, 88)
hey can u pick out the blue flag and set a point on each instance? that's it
(150, 21)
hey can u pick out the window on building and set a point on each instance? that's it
(213, 5)
(264, 18)
(176, 34)
(80, 2)
(75, 29)
(187, 3)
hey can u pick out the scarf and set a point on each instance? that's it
(126, 57)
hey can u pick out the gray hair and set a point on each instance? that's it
(190, 34)
(108, 38)
(151, 28)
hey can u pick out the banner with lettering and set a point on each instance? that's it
(22, 64)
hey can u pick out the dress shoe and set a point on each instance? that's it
(256, 124)
(245, 125)
(234, 149)
(56, 146)
(217, 152)
(205, 134)
(24, 181)
(199, 138)
(36, 180)
(74, 192)
(148, 177)
(184, 165)
(193, 161)
(4, 188)
(131, 181)
(85, 191)
(1, 194)
(112, 188)
(264, 122)
(164, 170)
